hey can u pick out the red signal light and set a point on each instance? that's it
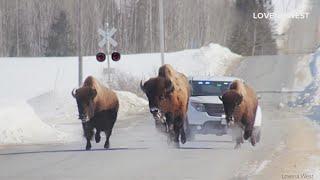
(115, 56)
(101, 56)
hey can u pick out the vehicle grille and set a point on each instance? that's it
(214, 109)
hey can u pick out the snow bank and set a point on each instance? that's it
(131, 104)
(55, 108)
(211, 59)
(303, 76)
(286, 8)
(19, 125)
(310, 97)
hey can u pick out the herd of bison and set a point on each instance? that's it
(168, 95)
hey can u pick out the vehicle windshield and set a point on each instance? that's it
(209, 88)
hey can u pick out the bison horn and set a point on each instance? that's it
(73, 93)
(141, 86)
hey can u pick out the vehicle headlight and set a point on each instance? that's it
(198, 106)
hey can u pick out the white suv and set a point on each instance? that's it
(206, 113)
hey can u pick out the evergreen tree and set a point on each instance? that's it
(252, 36)
(59, 39)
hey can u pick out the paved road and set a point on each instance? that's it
(139, 152)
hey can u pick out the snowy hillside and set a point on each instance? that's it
(39, 89)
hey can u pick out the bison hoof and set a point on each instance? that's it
(97, 138)
(106, 145)
(183, 139)
(253, 141)
(246, 135)
(88, 147)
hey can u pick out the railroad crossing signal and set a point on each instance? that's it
(107, 37)
(115, 56)
(107, 40)
(101, 56)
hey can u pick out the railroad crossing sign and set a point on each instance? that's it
(107, 37)
(107, 40)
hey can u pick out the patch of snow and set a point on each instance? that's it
(311, 93)
(303, 76)
(20, 125)
(130, 104)
(261, 166)
(281, 105)
(211, 59)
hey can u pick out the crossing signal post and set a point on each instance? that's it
(107, 40)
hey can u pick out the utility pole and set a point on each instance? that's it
(108, 49)
(80, 63)
(161, 26)
(17, 28)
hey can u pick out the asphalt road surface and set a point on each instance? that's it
(138, 152)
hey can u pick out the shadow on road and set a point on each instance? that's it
(68, 150)
(204, 148)
(216, 141)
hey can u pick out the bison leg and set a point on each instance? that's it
(177, 129)
(248, 131)
(237, 136)
(253, 140)
(88, 133)
(97, 136)
(183, 136)
(183, 129)
(255, 137)
(108, 134)
(238, 144)
(88, 146)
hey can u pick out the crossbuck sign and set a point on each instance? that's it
(107, 37)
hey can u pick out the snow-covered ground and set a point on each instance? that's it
(20, 124)
(286, 8)
(311, 94)
(36, 105)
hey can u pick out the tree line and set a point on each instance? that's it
(50, 28)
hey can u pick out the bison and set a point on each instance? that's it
(240, 105)
(98, 108)
(168, 96)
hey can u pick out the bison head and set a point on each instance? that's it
(84, 97)
(231, 99)
(158, 91)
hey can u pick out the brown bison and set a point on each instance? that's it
(168, 96)
(98, 108)
(240, 104)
